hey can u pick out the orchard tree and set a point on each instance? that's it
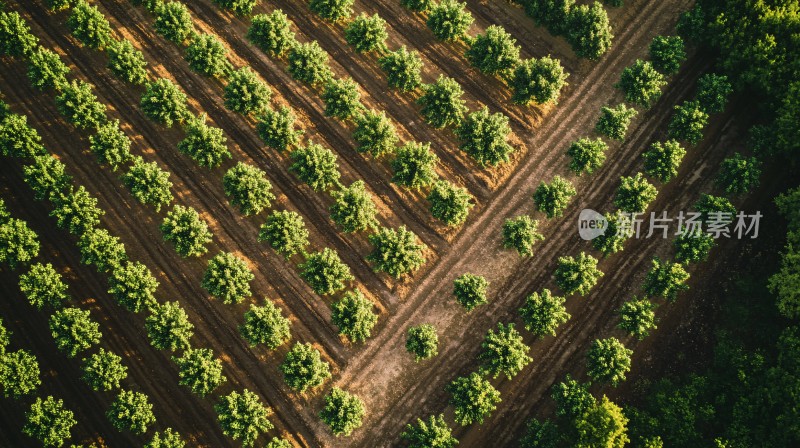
(342, 98)
(692, 246)
(374, 133)
(634, 194)
(470, 290)
(184, 228)
(242, 416)
(19, 373)
(246, 92)
(688, 122)
(538, 80)
(278, 442)
(422, 342)
(265, 325)
(587, 155)
(103, 370)
(49, 422)
(4, 341)
(148, 183)
(164, 102)
(641, 83)
(403, 69)
(637, 317)
(614, 122)
(173, 21)
(367, 33)
(495, 52)
(166, 439)
(89, 25)
(18, 243)
(46, 176)
(431, 433)
(441, 102)
(168, 327)
(521, 233)
(667, 54)
(577, 275)
(15, 35)
(504, 351)
(228, 278)
(43, 286)
(206, 55)
(131, 411)
(353, 209)
(46, 70)
(285, 232)
(788, 204)
(354, 316)
(248, 188)
(414, 165)
(417, 5)
(608, 361)
(450, 203)
(665, 279)
(738, 174)
(588, 30)
(572, 398)
(308, 63)
(316, 166)
(719, 207)
(543, 313)
(126, 62)
(303, 368)
(540, 434)
(206, 145)
(553, 198)
(484, 136)
(79, 106)
(473, 398)
(17, 139)
(396, 252)
(240, 7)
(74, 330)
(712, 92)
(199, 370)
(325, 272)
(272, 33)
(100, 248)
(76, 210)
(332, 10)
(663, 159)
(277, 128)
(343, 412)
(602, 425)
(110, 145)
(618, 230)
(133, 286)
(449, 20)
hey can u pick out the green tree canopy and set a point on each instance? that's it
(504, 351)
(199, 370)
(308, 63)
(495, 52)
(354, 316)
(17, 139)
(89, 25)
(614, 237)
(614, 122)
(709, 204)
(206, 55)
(374, 133)
(168, 327)
(343, 412)
(49, 422)
(316, 166)
(240, 7)
(577, 275)
(228, 278)
(543, 313)
(265, 325)
(74, 330)
(353, 209)
(325, 272)
(470, 290)
(441, 102)
(15, 35)
(739, 174)
(473, 398)
(665, 279)
(663, 159)
(431, 433)
(641, 83)
(602, 425)
(396, 252)
(248, 188)
(103, 370)
(484, 136)
(538, 80)
(634, 194)
(46, 70)
(608, 360)
(76, 210)
(110, 145)
(47, 177)
(692, 246)
(521, 233)
(332, 10)
(164, 102)
(133, 286)
(246, 92)
(272, 33)
(166, 439)
(148, 183)
(637, 317)
(206, 145)
(713, 91)
(277, 128)
(80, 106)
(285, 231)
(450, 203)
(449, 20)
(553, 198)
(184, 228)
(43, 286)
(572, 398)
(667, 53)
(100, 248)
(422, 342)
(414, 165)
(540, 434)
(587, 155)
(243, 416)
(688, 122)
(303, 368)
(126, 62)
(342, 98)
(403, 69)
(19, 373)
(131, 411)
(173, 21)
(588, 30)
(18, 243)
(367, 33)
(417, 5)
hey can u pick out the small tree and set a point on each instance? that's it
(709, 205)
(246, 93)
(688, 122)
(343, 412)
(173, 21)
(504, 352)
(608, 360)
(89, 25)
(342, 98)
(521, 234)
(19, 373)
(588, 30)
(473, 398)
(712, 92)
(422, 342)
(308, 63)
(470, 290)
(738, 174)
(18, 243)
(692, 246)
(265, 325)
(316, 166)
(396, 252)
(278, 442)
(46, 70)
(79, 106)
(243, 416)
(110, 145)
(100, 248)
(495, 52)
(285, 232)
(206, 55)
(199, 370)
(538, 434)
(602, 425)
(17, 139)
(414, 165)
(587, 155)
(634, 194)
(484, 137)
(303, 368)
(228, 278)
(164, 102)
(126, 62)
(248, 188)
(441, 102)
(46, 176)
(431, 433)
(184, 228)
(543, 313)
(615, 235)
(272, 33)
(538, 80)
(449, 20)
(641, 83)
(553, 198)
(354, 316)
(325, 272)
(667, 54)
(332, 10)
(166, 439)
(103, 370)
(666, 279)
(133, 286)
(15, 35)
(76, 210)
(42, 286)
(353, 209)
(403, 69)
(49, 422)
(240, 7)
(168, 327)
(375, 134)
(148, 183)
(4, 341)
(637, 317)
(572, 398)
(417, 5)
(276, 128)
(450, 203)
(577, 275)
(663, 159)
(367, 33)
(74, 331)
(614, 122)
(131, 411)
(206, 145)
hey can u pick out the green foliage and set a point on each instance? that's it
(240, 7)
(46, 70)
(470, 290)
(277, 442)
(521, 234)
(641, 83)
(450, 203)
(15, 35)
(199, 370)
(103, 370)
(49, 422)
(100, 248)
(228, 278)
(206, 55)
(431, 433)
(285, 232)
(738, 174)
(540, 434)
(587, 155)
(79, 106)
(316, 166)
(184, 228)
(396, 252)
(504, 351)
(709, 205)
(353, 209)
(495, 52)
(692, 246)
(602, 425)
(422, 342)
(614, 122)
(608, 360)
(342, 98)
(538, 80)
(417, 5)
(173, 21)
(168, 327)
(206, 145)
(712, 92)
(553, 198)
(449, 20)
(164, 102)
(614, 237)
(18, 243)
(248, 188)
(688, 122)
(43, 286)
(441, 102)
(332, 10)
(343, 412)
(110, 145)
(19, 373)
(265, 325)
(572, 398)
(788, 204)
(17, 139)
(589, 31)
(665, 279)
(325, 272)
(303, 368)
(89, 25)
(133, 286)
(374, 133)
(403, 69)
(5, 335)
(308, 63)
(148, 183)
(473, 398)
(634, 194)
(46, 176)
(414, 165)
(662, 160)
(246, 92)
(354, 316)
(484, 137)
(276, 128)
(667, 54)
(272, 33)
(637, 317)
(131, 411)
(577, 275)
(543, 313)
(76, 210)
(242, 416)
(126, 62)
(166, 439)
(74, 331)
(367, 33)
